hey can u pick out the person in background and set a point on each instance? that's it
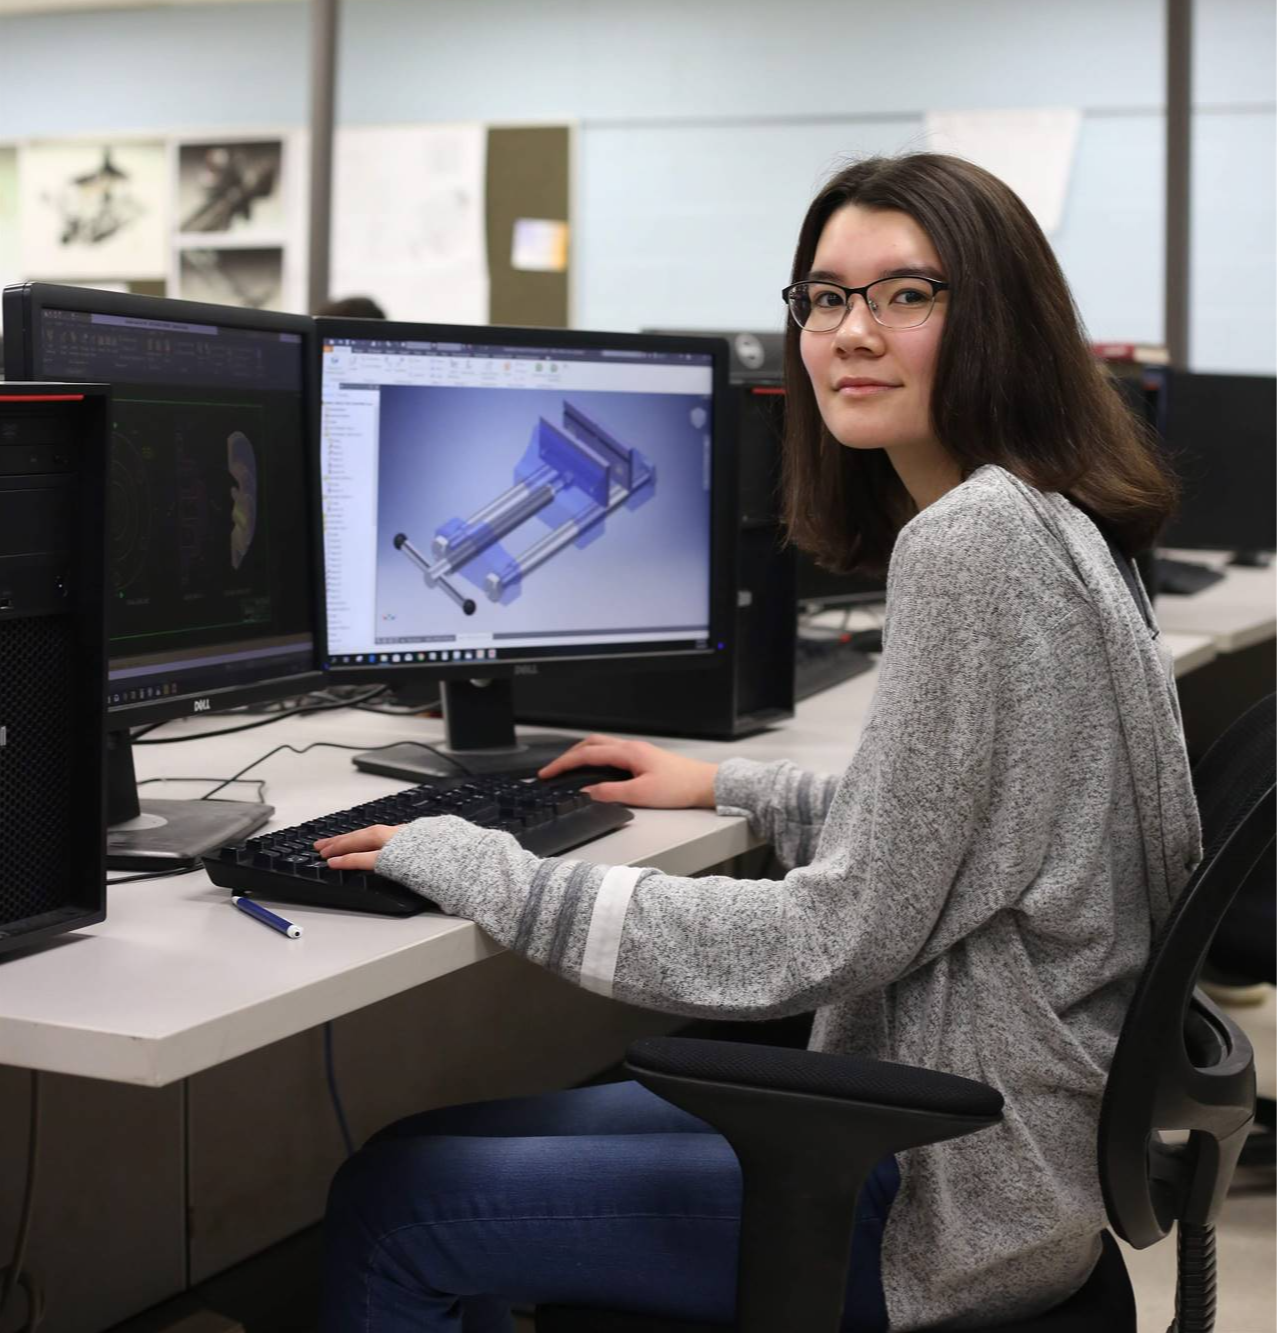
(977, 892)
(352, 307)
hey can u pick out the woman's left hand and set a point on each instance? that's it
(357, 850)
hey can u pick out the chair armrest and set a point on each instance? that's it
(854, 1078)
(807, 1128)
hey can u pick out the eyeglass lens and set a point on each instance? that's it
(897, 303)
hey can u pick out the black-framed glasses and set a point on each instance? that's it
(896, 303)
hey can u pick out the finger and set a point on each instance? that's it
(588, 752)
(372, 838)
(565, 760)
(354, 861)
(624, 793)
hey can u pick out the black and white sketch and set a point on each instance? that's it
(93, 210)
(232, 188)
(252, 277)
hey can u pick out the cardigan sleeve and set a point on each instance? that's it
(785, 805)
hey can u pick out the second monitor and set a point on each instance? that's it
(501, 501)
(209, 519)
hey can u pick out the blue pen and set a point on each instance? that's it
(278, 923)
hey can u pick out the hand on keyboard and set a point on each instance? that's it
(330, 860)
(357, 850)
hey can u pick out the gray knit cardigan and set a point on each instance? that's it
(976, 893)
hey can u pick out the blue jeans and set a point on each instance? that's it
(604, 1196)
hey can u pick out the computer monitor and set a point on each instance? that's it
(1221, 435)
(211, 601)
(499, 501)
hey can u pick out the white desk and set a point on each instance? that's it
(1190, 651)
(1237, 613)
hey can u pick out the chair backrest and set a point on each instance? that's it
(1180, 1065)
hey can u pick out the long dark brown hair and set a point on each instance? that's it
(1015, 381)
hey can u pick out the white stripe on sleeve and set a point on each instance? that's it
(603, 943)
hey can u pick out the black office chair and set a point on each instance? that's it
(808, 1127)
(1244, 953)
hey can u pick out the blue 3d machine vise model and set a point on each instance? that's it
(583, 467)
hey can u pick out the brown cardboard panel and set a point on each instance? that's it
(527, 177)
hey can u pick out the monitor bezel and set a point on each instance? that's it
(24, 306)
(722, 508)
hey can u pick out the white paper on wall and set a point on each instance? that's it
(94, 209)
(10, 253)
(240, 192)
(1031, 150)
(409, 226)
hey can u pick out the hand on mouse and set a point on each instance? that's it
(661, 780)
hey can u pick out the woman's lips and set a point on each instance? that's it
(858, 388)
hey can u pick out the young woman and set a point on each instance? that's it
(976, 893)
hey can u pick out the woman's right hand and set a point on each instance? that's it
(661, 780)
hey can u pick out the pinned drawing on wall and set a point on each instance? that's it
(540, 245)
(1031, 150)
(408, 219)
(239, 233)
(10, 251)
(243, 276)
(232, 187)
(93, 209)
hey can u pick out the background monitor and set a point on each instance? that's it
(210, 588)
(502, 500)
(1221, 434)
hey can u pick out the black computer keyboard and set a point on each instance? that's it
(547, 818)
(1182, 578)
(820, 663)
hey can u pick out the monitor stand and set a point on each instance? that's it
(479, 716)
(166, 835)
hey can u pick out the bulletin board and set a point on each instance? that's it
(528, 180)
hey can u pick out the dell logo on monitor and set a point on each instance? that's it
(203, 705)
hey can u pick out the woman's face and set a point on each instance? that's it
(873, 384)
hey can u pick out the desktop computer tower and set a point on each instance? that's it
(750, 685)
(53, 482)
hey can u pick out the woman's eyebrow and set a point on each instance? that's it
(909, 271)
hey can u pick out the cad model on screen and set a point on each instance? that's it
(570, 478)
